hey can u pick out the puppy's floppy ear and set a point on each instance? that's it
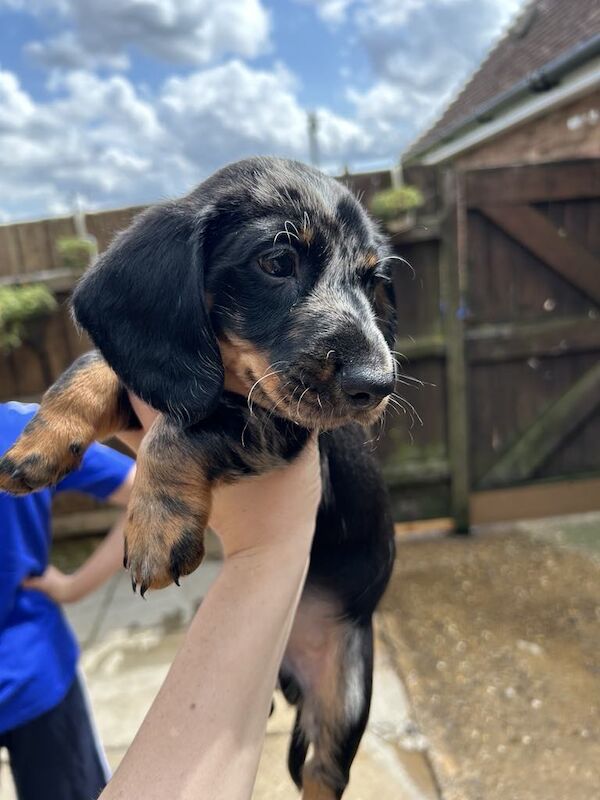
(143, 305)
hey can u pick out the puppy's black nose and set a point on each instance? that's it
(366, 386)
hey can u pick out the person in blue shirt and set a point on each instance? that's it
(45, 722)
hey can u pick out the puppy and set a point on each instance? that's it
(269, 275)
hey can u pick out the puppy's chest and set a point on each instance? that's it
(243, 440)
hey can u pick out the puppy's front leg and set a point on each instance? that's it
(176, 473)
(168, 509)
(87, 402)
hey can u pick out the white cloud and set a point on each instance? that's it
(17, 107)
(99, 138)
(332, 11)
(234, 108)
(420, 52)
(233, 111)
(115, 144)
(96, 138)
(193, 32)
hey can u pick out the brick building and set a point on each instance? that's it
(535, 98)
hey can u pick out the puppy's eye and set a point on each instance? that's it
(279, 263)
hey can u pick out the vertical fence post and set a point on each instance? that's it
(453, 275)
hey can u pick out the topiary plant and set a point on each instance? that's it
(75, 253)
(390, 204)
(18, 306)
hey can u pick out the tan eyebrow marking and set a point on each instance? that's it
(307, 234)
(371, 260)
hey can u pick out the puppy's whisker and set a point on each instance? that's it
(257, 383)
(413, 410)
(396, 406)
(300, 400)
(286, 232)
(283, 233)
(295, 229)
(291, 398)
(282, 399)
(242, 440)
(413, 380)
(399, 354)
(398, 258)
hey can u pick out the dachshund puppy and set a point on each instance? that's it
(269, 276)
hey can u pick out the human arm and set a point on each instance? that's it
(204, 733)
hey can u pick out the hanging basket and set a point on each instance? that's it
(397, 207)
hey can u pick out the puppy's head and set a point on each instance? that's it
(269, 273)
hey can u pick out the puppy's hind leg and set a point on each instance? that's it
(86, 403)
(331, 659)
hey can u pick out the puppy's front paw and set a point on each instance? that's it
(41, 457)
(161, 545)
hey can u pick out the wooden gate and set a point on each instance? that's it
(502, 326)
(531, 300)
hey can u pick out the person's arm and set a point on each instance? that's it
(104, 562)
(204, 733)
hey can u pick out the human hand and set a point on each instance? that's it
(57, 585)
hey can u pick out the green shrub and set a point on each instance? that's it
(389, 204)
(75, 253)
(19, 305)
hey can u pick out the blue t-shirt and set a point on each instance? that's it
(38, 651)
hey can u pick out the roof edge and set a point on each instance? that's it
(587, 79)
(537, 82)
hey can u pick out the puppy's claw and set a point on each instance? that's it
(133, 584)
(175, 574)
(143, 590)
(19, 475)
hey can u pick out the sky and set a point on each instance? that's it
(120, 102)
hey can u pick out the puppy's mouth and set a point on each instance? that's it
(313, 392)
(313, 405)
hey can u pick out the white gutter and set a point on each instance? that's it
(579, 83)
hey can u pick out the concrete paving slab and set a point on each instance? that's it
(497, 636)
(170, 608)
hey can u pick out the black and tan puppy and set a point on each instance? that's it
(271, 275)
